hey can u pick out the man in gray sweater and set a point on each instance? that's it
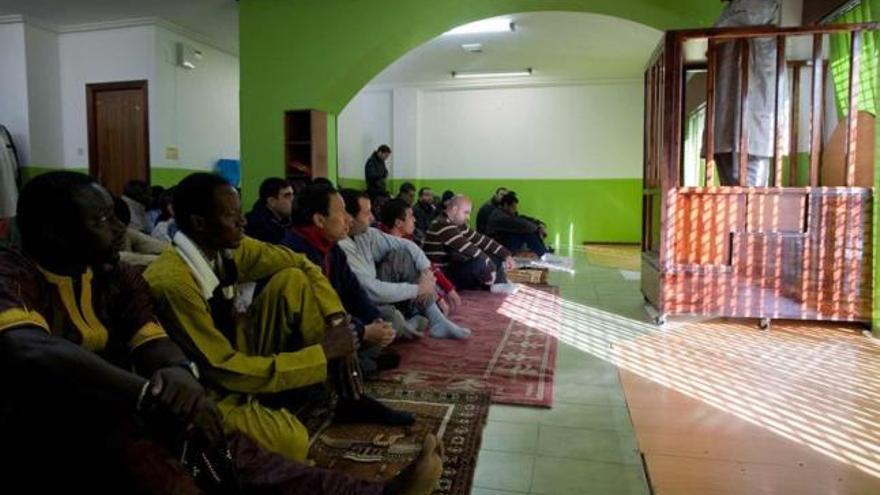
(392, 270)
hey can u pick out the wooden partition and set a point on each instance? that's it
(781, 251)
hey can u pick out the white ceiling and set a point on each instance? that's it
(558, 46)
(216, 21)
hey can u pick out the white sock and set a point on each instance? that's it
(442, 328)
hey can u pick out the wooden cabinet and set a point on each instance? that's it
(305, 144)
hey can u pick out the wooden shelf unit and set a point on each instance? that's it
(305, 144)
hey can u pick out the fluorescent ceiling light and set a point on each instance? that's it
(498, 73)
(484, 26)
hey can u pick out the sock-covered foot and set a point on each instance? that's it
(369, 410)
(449, 330)
(441, 327)
(416, 327)
(422, 475)
(503, 289)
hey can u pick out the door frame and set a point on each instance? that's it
(91, 90)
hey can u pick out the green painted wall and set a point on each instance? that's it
(167, 177)
(29, 172)
(578, 210)
(319, 54)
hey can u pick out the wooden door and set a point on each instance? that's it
(119, 144)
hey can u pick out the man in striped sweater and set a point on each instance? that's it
(470, 259)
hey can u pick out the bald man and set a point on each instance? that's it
(470, 259)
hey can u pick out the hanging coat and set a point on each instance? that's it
(8, 175)
(762, 80)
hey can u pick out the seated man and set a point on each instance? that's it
(470, 260)
(73, 416)
(407, 193)
(269, 219)
(393, 271)
(512, 230)
(261, 365)
(398, 220)
(425, 212)
(319, 224)
(488, 207)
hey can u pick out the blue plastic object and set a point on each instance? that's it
(230, 170)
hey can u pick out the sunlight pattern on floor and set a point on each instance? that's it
(818, 385)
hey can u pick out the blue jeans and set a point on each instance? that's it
(513, 243)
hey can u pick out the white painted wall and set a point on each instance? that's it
(572, 131)
(364, 125)
(198, 109)
(13, 81)
(109, 55)
(44, 97)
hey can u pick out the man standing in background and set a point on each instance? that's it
(375, 171)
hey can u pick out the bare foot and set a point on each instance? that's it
(420, 477)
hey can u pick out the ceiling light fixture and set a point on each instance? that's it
(485, 26)
(500, 73)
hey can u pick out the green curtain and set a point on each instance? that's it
(866, 11)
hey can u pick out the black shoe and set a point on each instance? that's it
(388, 360)
(369, 410)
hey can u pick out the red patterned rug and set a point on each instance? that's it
(511, 353)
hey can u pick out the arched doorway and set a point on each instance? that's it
(320, 54)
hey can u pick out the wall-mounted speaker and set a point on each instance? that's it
(187, 56)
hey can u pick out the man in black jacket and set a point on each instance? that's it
(269, 220)
(488, 207)
(425, 211)
(512, 230)
(376, 172)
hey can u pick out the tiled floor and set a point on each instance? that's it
(719, 408)
(585, 443)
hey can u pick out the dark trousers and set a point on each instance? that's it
(514, 242)
(475, 273)
(115, 454)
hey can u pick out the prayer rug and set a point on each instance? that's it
(511, 352)
(376, 452)
(620, 256)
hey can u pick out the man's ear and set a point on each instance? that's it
(319, 220)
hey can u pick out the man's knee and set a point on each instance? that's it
(276, 430)
(398, 266)
(287, 278)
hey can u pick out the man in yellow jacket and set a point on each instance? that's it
(256, 363)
